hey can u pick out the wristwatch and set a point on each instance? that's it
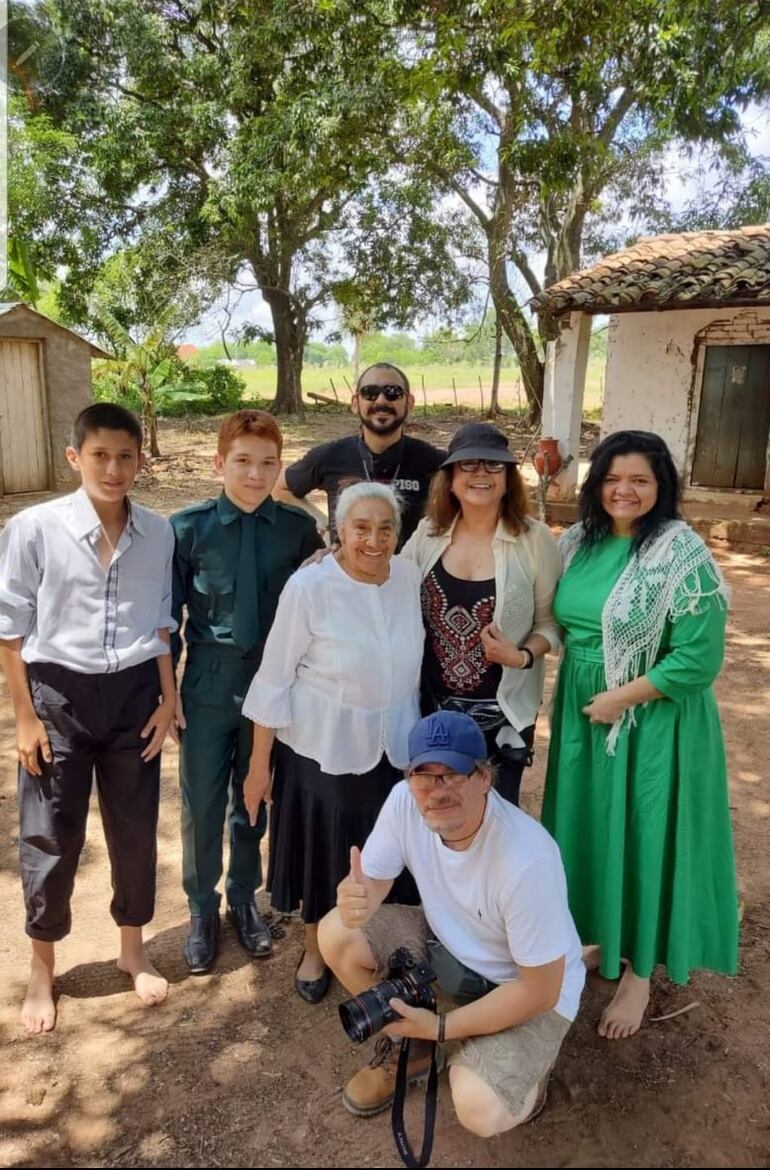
(530, 658)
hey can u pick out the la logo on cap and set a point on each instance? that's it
(438, 734)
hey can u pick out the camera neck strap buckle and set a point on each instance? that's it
(403, 1145)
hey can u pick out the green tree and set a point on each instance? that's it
(254, 127)
(140, 304)
(536, 113)
(403, 256)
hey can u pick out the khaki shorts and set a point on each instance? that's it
(511, 1062)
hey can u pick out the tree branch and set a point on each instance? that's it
(453, 184)
(616, 115)
(523, 265)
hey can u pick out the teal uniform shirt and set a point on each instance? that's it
(216, 743)
(206, 562)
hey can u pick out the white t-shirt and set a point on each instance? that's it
(501, 902)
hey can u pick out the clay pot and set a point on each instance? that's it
(547, 459)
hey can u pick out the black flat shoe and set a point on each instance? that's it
(253, 932)
(312, 990)
(200, 948)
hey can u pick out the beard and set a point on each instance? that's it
(387, 427)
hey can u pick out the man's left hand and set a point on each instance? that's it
(416, 1023)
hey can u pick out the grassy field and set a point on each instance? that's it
(432, 385)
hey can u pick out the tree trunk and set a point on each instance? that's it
(356, 355)
(149, 420)
(516, 326)
(494, 405)
(532, 368)
(289, 327)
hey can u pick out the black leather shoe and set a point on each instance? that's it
(312, 990)
(253, 932)
(200, 949)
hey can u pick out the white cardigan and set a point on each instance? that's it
(340, 673)
(527, 569)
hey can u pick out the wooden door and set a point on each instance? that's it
(734, 417)
(24, 439)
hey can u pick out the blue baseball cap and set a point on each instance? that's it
(446, 737)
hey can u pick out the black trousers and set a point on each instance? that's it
(510, 762)
(93, 723)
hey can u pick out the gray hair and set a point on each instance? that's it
(366, 491)
(489, 766)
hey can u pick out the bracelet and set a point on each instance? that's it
(529, 656)
(441, 1028)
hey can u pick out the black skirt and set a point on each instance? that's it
(315, 819)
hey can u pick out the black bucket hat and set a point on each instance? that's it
(479, 441)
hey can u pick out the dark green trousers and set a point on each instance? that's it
(214, 760)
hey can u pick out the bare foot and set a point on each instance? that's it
(38, 1013)
(149, 984)
(623, 1015)
(591, 957)
(311, 967)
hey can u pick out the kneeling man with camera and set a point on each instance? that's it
(494, 926)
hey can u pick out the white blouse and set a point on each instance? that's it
(340, 673)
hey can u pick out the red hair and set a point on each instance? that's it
(248, 422)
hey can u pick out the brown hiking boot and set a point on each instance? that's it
(373, 1088)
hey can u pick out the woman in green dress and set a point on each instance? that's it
(636, 788)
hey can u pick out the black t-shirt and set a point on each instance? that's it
(407, 467)
(455, 612)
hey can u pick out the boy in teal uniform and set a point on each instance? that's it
(233, 557)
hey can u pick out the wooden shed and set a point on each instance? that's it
(45, 380)
(688, 353)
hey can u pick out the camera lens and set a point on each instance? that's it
(357, 1021)
(366, 1014)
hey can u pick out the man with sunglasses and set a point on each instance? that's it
(494, 924)
(380, 452)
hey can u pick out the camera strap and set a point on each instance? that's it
(403, 1145)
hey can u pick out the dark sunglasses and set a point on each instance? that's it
(491, 466)
(372, 393)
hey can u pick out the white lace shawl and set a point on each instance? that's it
(660, 583)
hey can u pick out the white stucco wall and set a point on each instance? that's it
(652, 383)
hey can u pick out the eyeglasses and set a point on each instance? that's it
(426, 781)
(491, 466)
(390, 393)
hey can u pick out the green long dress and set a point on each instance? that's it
(645, 834)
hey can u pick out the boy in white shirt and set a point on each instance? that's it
(494, 924)
(85, 622)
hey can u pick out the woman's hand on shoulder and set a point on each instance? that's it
(319, 554)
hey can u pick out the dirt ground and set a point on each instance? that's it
(235, 1070)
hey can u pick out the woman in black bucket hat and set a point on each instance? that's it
(489, 575)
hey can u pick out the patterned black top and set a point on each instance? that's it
(455, 612)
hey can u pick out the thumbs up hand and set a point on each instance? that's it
(354, 894)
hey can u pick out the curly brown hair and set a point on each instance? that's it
(443, 505)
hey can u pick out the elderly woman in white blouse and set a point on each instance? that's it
(333, 703)
(489, 575)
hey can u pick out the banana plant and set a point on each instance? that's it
(147, 368)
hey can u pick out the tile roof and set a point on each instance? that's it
(688, 269)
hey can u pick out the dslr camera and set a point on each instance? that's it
(410, 981)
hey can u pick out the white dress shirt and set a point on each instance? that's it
(527, 571)
(340, 672)
(55, 594)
